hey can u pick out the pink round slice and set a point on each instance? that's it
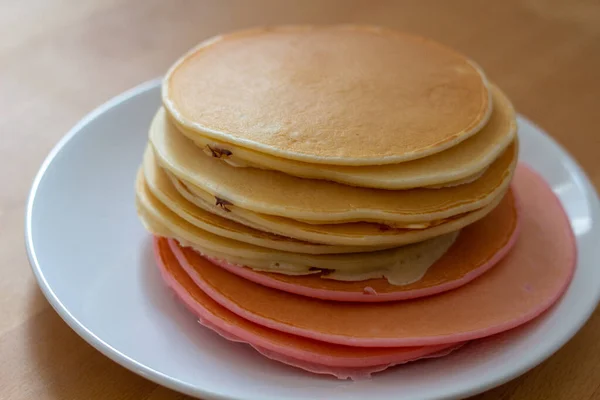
(524, 284)
(311, 355)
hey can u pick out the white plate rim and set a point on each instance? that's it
(189, 389)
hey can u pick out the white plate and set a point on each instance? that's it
(93, 261)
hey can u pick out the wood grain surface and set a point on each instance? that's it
(61, 58)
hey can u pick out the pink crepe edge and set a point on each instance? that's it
(354, 374)
(396, 342)
(326, 363)
(340, 372)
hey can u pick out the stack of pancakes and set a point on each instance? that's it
(298, 174)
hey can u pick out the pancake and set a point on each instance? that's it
(311, 355)
(160, 186)
(214, 204)
(478, 248)
(524, 284)
(341, 95)
(160, 221)
(349, 234)
(462, 181)
(402, 266)
(457, 165)
(320, 201)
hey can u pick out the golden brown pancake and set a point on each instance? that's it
(337, 95)
(457, 165)
(160, 186)
(318, 201)
(355, 234)
(161, 221)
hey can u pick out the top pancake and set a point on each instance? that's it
(342, 95)
(462, 163)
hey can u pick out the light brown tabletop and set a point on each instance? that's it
(61, 58)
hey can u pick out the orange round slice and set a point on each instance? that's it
(524, 284)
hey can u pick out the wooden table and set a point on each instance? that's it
(61, 58)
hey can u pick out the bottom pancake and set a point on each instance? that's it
(478, 247)
(311, 355)
(523, 285)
